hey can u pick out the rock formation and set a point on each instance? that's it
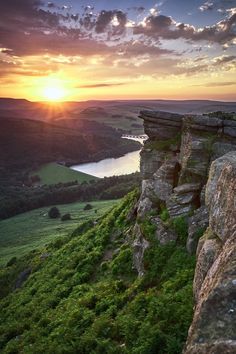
(188, 168)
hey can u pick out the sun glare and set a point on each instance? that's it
(54, 93)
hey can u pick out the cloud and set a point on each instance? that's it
(116, 18)
(51, 5)
(139, 9)
(102, 85)
(217, 84)
(219, 5)
(224, 59)
(12, 69)
(208, 5)
(29, 27)
(165, 27)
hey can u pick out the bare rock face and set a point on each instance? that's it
(184, 199)
(221, 195)
(139, 246)
(165, 178)
(207, 255)
(197, 224)
(150, 162)
(161, 125)
(163, 234)
(145, 203)
(195, 153)
(213, 329)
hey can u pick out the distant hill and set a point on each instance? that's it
(25, 143)
(119, 114)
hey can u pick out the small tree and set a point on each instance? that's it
(88, 207)
(54, 213)
(66, 217)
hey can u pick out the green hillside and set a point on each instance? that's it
(82, 295)
(53, 173)
(25, 232)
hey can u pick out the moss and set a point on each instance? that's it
(162, 145)
(199, 233)
(210, 235)
(164, 214)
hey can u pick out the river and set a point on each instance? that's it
(123, 165)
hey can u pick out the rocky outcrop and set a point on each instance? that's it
(221, 196)
(188, 166)
(139, 246)
(175, 160)
(213, 329)
(197, 224)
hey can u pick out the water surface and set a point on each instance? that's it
(126, 164)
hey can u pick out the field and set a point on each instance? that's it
(22, 233)
(53, 173)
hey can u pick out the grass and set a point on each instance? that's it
(85, 297)
(25, 232)
(117, 119)
(53, 173)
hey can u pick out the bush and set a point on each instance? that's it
(66, 217)
(54, 213)
(12, 261)
(88, 207)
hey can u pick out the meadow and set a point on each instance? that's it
(53, 173)
(25, 232)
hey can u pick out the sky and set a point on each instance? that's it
(126, 49)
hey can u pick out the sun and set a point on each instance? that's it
(54, 93)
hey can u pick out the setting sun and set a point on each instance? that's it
(53, 93)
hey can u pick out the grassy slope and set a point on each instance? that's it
(22, 233)
(118, 117)
(53, 173)
(86, 298)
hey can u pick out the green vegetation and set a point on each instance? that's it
(163, 145)
(122, 118)
(53, 173)
(221, 114)
(15, 200)
(164, 214)
(25, 232)
(81, 295)
(54, 213)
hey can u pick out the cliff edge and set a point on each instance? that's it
(188, 168)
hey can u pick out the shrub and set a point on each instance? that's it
(54, 213)
(12, 261)
(164, 215)
(180, 225)
(66, 217)
(88, 207)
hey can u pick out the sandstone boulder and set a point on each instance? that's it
(197, 224)
(221, 196)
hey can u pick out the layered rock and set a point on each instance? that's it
(213, 329)
(176, 160)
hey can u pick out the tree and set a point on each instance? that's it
(66, 217)
(88, 207)
(54, 213)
